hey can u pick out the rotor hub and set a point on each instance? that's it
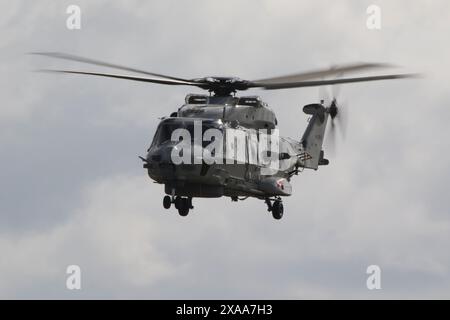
(333, 109)
(222, 86)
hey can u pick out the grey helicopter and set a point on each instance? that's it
(249, 158)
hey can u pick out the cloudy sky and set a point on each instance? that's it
(73, 191)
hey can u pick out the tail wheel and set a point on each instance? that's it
(277, 210)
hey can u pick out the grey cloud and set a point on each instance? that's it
(73, 190)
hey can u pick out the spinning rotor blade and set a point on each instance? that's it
(338, 112)
(300, 84)
(223, 86)
(342, 119)
(333, 71)
(336, 90)
(324, 96)
(71, 57)
(134, 78)
(330, 139)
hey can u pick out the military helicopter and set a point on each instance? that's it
(228, 114)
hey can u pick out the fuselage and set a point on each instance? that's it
(204, 152)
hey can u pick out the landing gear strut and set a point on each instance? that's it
(183, 204)
(276, 208)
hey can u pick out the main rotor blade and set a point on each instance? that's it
(127, 77)
(71, 57)
(287, 85)
(333, 71)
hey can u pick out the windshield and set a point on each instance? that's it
(165, 129)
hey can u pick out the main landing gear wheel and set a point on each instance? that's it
(183, 207)
(277, 210)
(182, 204)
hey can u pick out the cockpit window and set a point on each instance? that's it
(165, 129)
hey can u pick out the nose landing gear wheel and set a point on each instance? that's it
(167, 202)
(277, 210)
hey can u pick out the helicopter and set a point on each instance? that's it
(239, 133)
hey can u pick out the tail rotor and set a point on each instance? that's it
(338, 115)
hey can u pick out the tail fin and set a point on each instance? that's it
(312, 140)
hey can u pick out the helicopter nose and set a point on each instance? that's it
(166, 153)
(162, 155)
(155, 158)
